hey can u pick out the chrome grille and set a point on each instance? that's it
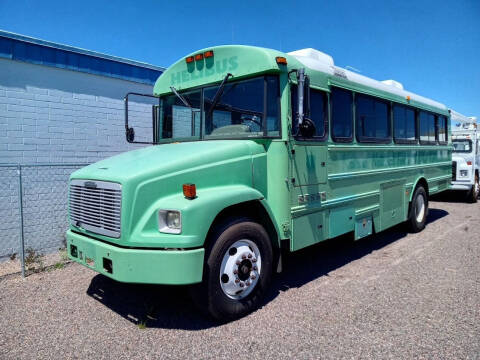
(96, 206)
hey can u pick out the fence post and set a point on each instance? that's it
(20, 201)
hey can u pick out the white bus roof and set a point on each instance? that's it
(317, 60)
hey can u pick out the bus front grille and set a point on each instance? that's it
(454, 171)
(96, 206)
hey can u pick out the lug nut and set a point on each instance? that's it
(255, 268)
(254, 260)
(242, 284)
(237, 280)
(247, 283)
(244, 257)
(249, 256)
(235, 272)
(253, 277)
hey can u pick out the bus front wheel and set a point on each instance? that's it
(418, 210)
(237, 271)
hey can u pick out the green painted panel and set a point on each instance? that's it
(308, 230)
(392, 203)
(341, 221)
(310, 165)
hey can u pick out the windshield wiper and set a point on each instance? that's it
(218, 95)
(184, 101)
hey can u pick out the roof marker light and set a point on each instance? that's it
(408, 97)
(281, 60)
(208, 54)
(189, 59)
(198, 57)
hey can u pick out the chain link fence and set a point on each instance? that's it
(33, 208)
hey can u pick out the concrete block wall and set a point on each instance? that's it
(62, 116)
(52, 115)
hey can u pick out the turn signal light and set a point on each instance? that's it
(190, 191)
(281, 60)
(469, 163)
(198, 57)
(208, 54)
(189, 59)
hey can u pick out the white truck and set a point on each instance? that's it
(466, 155)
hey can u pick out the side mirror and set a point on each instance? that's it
(306, 126)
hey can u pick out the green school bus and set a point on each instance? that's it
(253, 153)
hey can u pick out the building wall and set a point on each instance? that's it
(62, 116)
(53, 115)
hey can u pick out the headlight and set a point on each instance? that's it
(463, 173)
(170, 221)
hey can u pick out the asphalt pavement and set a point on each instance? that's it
(392, 295)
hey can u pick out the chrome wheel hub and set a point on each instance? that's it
(420, 208)
(240, 269)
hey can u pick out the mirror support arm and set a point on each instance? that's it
(301, 86)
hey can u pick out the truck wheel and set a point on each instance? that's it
(418, 210)
(237, 271)
(473, 193)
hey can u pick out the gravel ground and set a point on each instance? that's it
(393, 295)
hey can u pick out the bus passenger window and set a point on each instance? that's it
(427, 127)
(442, 128)
(342, 115)
(318, 113)
(404, 129)
(372, 117)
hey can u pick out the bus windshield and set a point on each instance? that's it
(246, 108)
(464, 146)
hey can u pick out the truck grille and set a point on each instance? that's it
(96, 206)
(454, 171)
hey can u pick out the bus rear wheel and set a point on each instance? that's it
(418, 210)
(237, 271)
(473, 193)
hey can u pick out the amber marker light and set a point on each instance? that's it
(208, 54)
(408, 98)
(189, 59)
(190, 191)
(198, 57)
(281, 60)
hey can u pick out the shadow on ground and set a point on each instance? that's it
(451, 196)
(171, 307)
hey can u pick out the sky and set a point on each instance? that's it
(431, 47)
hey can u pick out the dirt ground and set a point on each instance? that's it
(392, 295)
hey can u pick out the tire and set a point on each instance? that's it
(473, 193)
(417, 215)
(237, 270)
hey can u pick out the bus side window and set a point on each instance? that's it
(342, 115)
(427, 127)
(318, 113)
(373, 119)
(442, 128)
(404, 126)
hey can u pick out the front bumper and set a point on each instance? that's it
(457, 186)
(175, 267)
